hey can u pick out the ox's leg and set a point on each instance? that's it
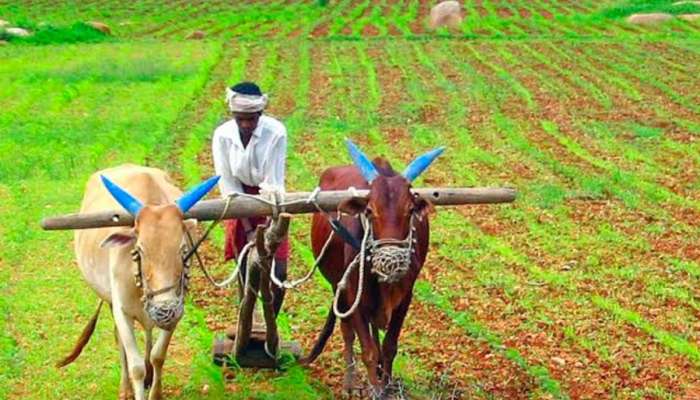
(349, 356)
(391, 339)
(158, 358)
(147, 355)
(370, 352)
(375, 336)
(137, 367)
(125, 391)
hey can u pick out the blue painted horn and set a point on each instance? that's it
(196, 193)
(367, 169)
(421, 163)
(129, 202)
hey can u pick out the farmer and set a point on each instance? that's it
(249, 154)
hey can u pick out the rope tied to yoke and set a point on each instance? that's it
(343, 283)
(390, 258)
(276, 206)
(194, 247)
(287, 284)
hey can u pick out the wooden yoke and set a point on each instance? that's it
(248, 206)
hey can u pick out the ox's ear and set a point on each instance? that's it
(353, 206)
(118, 239)
(422, 207)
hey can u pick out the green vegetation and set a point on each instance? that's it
(46, 120)
(629, 7)
(45, 34)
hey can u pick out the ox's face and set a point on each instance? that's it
(391, 208)
(391, 204)
(160, 245)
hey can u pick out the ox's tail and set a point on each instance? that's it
(83, 339)
(322, 339)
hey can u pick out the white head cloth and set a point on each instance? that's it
(245, 103)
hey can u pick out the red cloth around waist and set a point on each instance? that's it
(236, 238)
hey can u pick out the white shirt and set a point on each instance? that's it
(261, 163)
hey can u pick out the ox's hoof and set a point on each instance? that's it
(126, 395)
(155, 395)
(352, 385)
(303, 361)
(148, 380)
(395, 390)
(356, 392)
(377, 392)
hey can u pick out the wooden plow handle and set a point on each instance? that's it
(259, 264)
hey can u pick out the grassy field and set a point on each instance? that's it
(583, 289)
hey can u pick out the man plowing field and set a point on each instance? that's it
(369, 236)
(249, 154)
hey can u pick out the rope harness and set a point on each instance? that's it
(390, 258)
(195, 247)
(276, 207)
(164, 313)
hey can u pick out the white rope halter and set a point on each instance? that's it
(390, 259)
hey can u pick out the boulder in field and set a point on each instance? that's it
(446, 13)
(18, 32)
(100, 26)
(196, 35)
(690, 17)
(648, 19)
(4, 23)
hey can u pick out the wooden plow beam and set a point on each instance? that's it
(251, 344)
(241, 207)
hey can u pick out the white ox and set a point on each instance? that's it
(141, 271)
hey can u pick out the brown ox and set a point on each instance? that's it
(391, 211)
(141, 272)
